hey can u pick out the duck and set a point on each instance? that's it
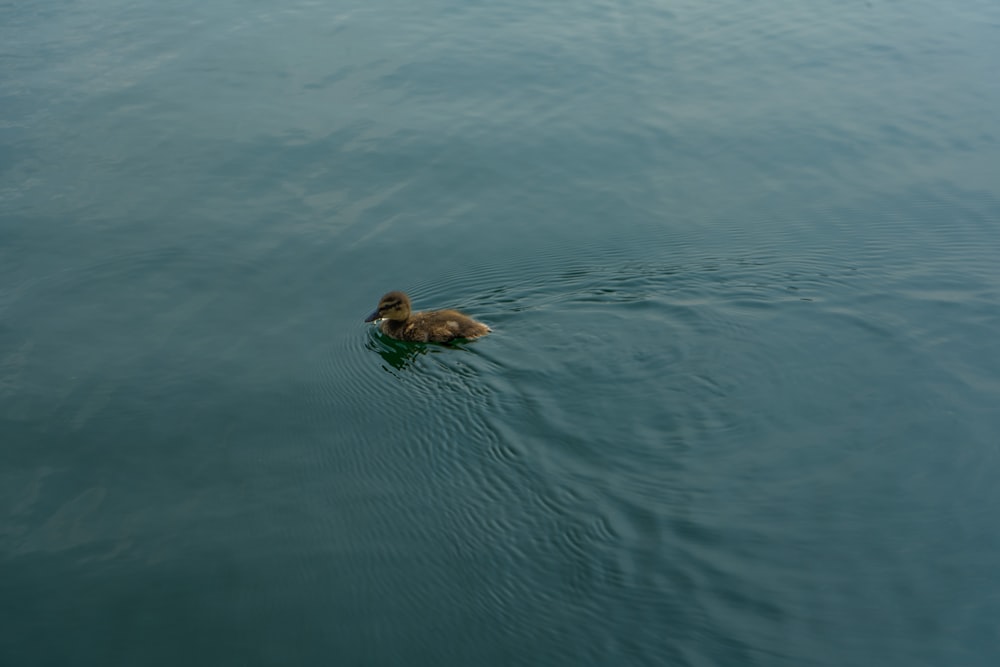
(432, 326)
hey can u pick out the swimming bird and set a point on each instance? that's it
(433, 326)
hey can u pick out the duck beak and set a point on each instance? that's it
(371, 318)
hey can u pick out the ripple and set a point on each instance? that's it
(573, 433)
(623, 390)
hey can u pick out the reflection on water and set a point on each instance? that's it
(403, 354)
(398, 354)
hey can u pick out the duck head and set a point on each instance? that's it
(393, 306)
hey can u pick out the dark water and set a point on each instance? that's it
(741, 405)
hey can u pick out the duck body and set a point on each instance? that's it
(433, 326)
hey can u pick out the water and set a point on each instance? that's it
(740, 405)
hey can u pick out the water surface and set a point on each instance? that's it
(740, 402)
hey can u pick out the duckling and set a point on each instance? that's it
(433, 326)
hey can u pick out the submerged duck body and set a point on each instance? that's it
(433, 326)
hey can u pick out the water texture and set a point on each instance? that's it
(741, 404)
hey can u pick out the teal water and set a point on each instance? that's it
(741, 405)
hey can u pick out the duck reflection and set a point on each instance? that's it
(398, 354)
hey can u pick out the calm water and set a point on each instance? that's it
(741, 405)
